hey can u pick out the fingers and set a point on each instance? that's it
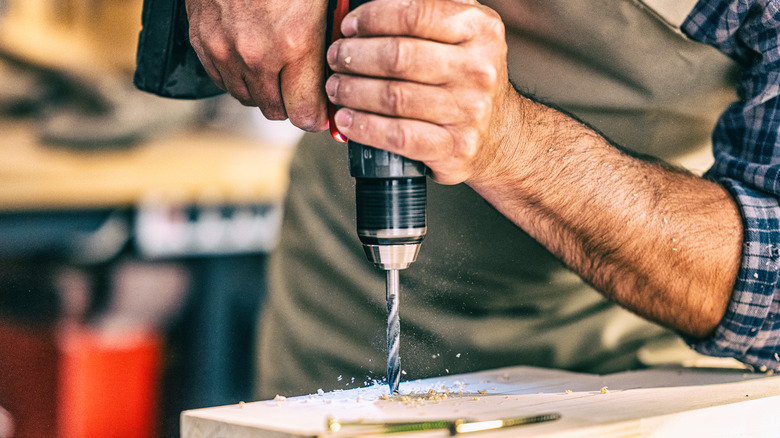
(260, 89)
(447, 21)
(402, 99)
(267, 54)
(303, 96)
(414, 139)
(281, 91)
(399, 57)
(425, 79)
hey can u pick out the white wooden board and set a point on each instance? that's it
(660, 402)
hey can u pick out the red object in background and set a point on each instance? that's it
(29, 378)
(76, 382)
(109, 383)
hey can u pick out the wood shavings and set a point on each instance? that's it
(436, 396)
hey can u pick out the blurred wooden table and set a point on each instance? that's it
(88, 39)
(188, 167)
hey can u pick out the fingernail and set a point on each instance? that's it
(343, 118)
(332, 85)
(349, 26)
(333, 52)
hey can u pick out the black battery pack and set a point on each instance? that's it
(166, 63)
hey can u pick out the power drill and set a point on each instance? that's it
(390, 201)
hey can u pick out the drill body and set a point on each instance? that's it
(390, 190)
(390, 208)
(390, 205)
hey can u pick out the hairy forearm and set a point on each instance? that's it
(660, 241)
(428, 80)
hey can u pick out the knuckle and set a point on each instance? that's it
(306, 120)
(398, 138)
(397, 56)
(216, 49)
(271, 110)
(468, 144)
(293, 42)
(273, 114)
(394, 99)
(485, 75)
(249, 54)
(495, 29)
(412, 15)
(492, 21)
(477, 110)
(486, 23)
(244, 99)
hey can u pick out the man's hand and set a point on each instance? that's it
(426, 79)
(266, 53)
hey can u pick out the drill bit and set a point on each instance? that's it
(393, 332)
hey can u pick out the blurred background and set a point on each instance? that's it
(133, 231)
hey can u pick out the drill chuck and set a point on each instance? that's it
(390, 198)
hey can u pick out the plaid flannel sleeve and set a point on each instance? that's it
(746, 144)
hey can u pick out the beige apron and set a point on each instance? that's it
(482, 293)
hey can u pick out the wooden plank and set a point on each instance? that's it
(661, 402)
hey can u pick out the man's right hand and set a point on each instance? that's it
(268, 54)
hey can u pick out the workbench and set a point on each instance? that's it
(193, 166)
(201, 194)
(654, 402)
(197, 163)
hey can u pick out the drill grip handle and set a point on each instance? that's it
(365, 161)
